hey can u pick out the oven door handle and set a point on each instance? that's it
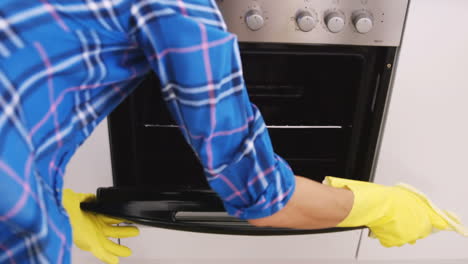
(190, 216)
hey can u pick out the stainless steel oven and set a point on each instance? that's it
(319, 71)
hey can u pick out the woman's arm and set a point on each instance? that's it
(313, 205)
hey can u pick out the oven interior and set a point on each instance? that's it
(323, 106)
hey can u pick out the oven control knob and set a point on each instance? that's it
(363, 21)
(335, 21)
(254, 20)
(305, 21)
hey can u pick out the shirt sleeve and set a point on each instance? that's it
(198, 64)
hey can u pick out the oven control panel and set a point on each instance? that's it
(346, 22)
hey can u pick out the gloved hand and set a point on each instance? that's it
(395, 215)
(91, 231)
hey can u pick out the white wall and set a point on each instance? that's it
(425, 142)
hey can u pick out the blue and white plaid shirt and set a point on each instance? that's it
(66, 64)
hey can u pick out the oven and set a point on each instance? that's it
(318, 70)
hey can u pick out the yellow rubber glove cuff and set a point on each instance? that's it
(91, 231)
(396, 215)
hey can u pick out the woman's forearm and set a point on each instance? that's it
(312, 206)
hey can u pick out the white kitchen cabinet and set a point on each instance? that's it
(155, 243)
(90, 167)
(425, 141)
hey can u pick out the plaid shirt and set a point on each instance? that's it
(66, 64)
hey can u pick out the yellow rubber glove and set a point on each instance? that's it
(395, 215)
(91, 231)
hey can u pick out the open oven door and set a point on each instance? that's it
(190, 210)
